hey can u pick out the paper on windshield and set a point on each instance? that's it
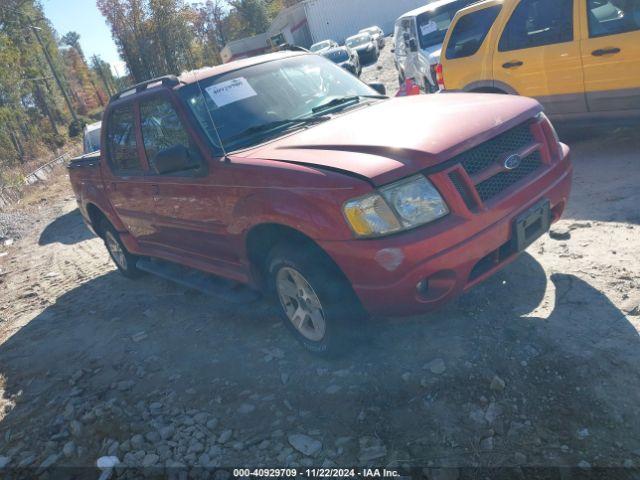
(231, 91)
(428, 28)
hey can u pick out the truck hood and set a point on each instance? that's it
(396, 138)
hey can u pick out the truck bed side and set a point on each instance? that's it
(86, 180)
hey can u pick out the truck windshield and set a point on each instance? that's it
(248, 105)
(433, 25)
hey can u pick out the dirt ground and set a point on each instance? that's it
(538, 366)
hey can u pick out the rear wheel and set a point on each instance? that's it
(125, 261)
(317, 303)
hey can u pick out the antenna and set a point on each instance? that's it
(213, 124)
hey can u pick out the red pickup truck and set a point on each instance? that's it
(286, 173)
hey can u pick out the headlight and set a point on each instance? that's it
(400, 206)
(370, 216)
(551, 136)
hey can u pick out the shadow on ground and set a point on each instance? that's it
(68, 229)
(577, 368)
(605, 159)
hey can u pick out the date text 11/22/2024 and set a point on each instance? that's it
(315, 473)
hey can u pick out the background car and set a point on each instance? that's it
(365, 46)
(377, 33)
(345, 58)
(534, 48)
(323, 46)
(91, 137)
(419, 35)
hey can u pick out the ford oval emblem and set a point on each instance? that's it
(512, 162)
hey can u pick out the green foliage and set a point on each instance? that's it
(159, 37)
(252, 15)
(76, 127)
(35, 77)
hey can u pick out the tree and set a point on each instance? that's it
(103, 70)
(253, 15)
(72, 39)
(38, 78)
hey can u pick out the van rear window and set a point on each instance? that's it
(470, 31)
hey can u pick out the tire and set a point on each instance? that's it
(306, 285)
(125, 261)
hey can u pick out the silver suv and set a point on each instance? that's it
(419, 35)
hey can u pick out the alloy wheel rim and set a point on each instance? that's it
(116, 251)
(301, 304)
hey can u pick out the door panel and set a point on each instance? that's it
(124, 173)
(539, 55)
(131, 199)
(191, 213)
(610, 50)
(193, 217)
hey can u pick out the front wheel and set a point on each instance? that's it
(317, 303)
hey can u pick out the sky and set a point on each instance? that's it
(84, 17)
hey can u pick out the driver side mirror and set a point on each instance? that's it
(174, 159)
(413, 45)
(379, 87)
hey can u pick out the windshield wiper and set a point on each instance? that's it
(336, 102)
(267, 127)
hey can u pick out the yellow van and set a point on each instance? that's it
(579, 58)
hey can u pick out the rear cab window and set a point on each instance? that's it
(122, 147)
(612, 17)
(470, 32)
(535, 23)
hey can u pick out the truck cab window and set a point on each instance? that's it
(535, 23)
(162, 130)
(121, 141)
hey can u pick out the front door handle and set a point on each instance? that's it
(513, 64)
(605, 51)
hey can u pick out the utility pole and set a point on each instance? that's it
(53, 70)
(47, 56)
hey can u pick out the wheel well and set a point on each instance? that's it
(261, 240)
(488, 90)
(96, 217)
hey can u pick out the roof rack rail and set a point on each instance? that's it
(168, 81)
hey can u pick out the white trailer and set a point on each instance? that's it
(339, 19)
(312, 21)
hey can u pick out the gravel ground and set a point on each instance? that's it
(384, 70)
(538, 366)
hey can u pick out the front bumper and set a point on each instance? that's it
(401, 275)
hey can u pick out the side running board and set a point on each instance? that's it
(221, 288)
